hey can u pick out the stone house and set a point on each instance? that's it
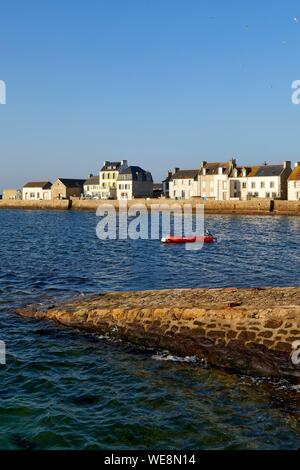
(12, 194)
(294, 184)
(238, 183)
(65, 188)
(183, 184)
(37, 191)
(213, 179)
(134, 182)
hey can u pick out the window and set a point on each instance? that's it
(262, 185)
(244, 185)
(272, 184)
(108, 176)
(253, 185)
(32, 195)
(267, 195)
(190, 182)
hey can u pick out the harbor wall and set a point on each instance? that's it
(251, 207)
(31, 205)
(250, 331)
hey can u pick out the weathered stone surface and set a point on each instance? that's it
(246, 330)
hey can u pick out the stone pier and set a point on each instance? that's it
(252, 331)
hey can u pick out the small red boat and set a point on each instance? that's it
(204, 239)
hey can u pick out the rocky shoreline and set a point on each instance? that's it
(251, 331)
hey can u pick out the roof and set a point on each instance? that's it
(38, 184)
(71, 182)
(158, 186)
(241, 168)
(92, 180)
(267, 170)
(185, 174)
(212, 168)
(111, 166)
(134, 173)
(295, 175)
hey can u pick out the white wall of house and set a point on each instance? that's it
(183, 188)
(36, 194)
(264, 186)
(92, 190)
(214, 187)
(294, 190)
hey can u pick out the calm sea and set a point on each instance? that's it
(64, 389)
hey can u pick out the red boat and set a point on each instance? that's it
(204, 239)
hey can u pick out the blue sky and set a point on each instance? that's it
(161, 83)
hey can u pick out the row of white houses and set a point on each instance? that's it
(227, 181)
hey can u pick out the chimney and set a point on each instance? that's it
(287, 164)
(106, 162)
(90, 175)
(169, 174)
(175, 169)
(124, 163)
(297, 164)
(220, 170)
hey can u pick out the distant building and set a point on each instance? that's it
(166, 183)
(65, 188)
(183, 184)
(238, 183)
(269, 181)
(134, 182)
(108, 178)
(37, 191)
(91, 187)
(12, 194)
(214, 179)
(294, 184)
(158, 190)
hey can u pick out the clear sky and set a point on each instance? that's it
(161, 83)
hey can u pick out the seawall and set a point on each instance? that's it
(251, 207)
(38, 205)
(251, 331)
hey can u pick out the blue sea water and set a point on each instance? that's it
(65, 389)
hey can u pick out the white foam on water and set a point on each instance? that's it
(166, 356)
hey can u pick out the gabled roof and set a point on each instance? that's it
(38, 184)
(92, 180)
(212, 168)
(134, 173)
(111, 166)
(295, 175)
(267, 170)
(185, 174)
(71, 182)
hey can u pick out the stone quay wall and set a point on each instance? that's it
(252, 331)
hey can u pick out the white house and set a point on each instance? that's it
(134, 182)
(183, 184)
(214, 179)
(269, 181)
(294, 184)
(37, 191)
(92, 188)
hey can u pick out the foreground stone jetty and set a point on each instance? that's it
(246, 330)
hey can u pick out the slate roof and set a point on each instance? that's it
(38, 184)
(185, 174)
(212, 168)
(267, 170)
(111, 166)
(72, 182)
(133, 173)
(92, 180)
